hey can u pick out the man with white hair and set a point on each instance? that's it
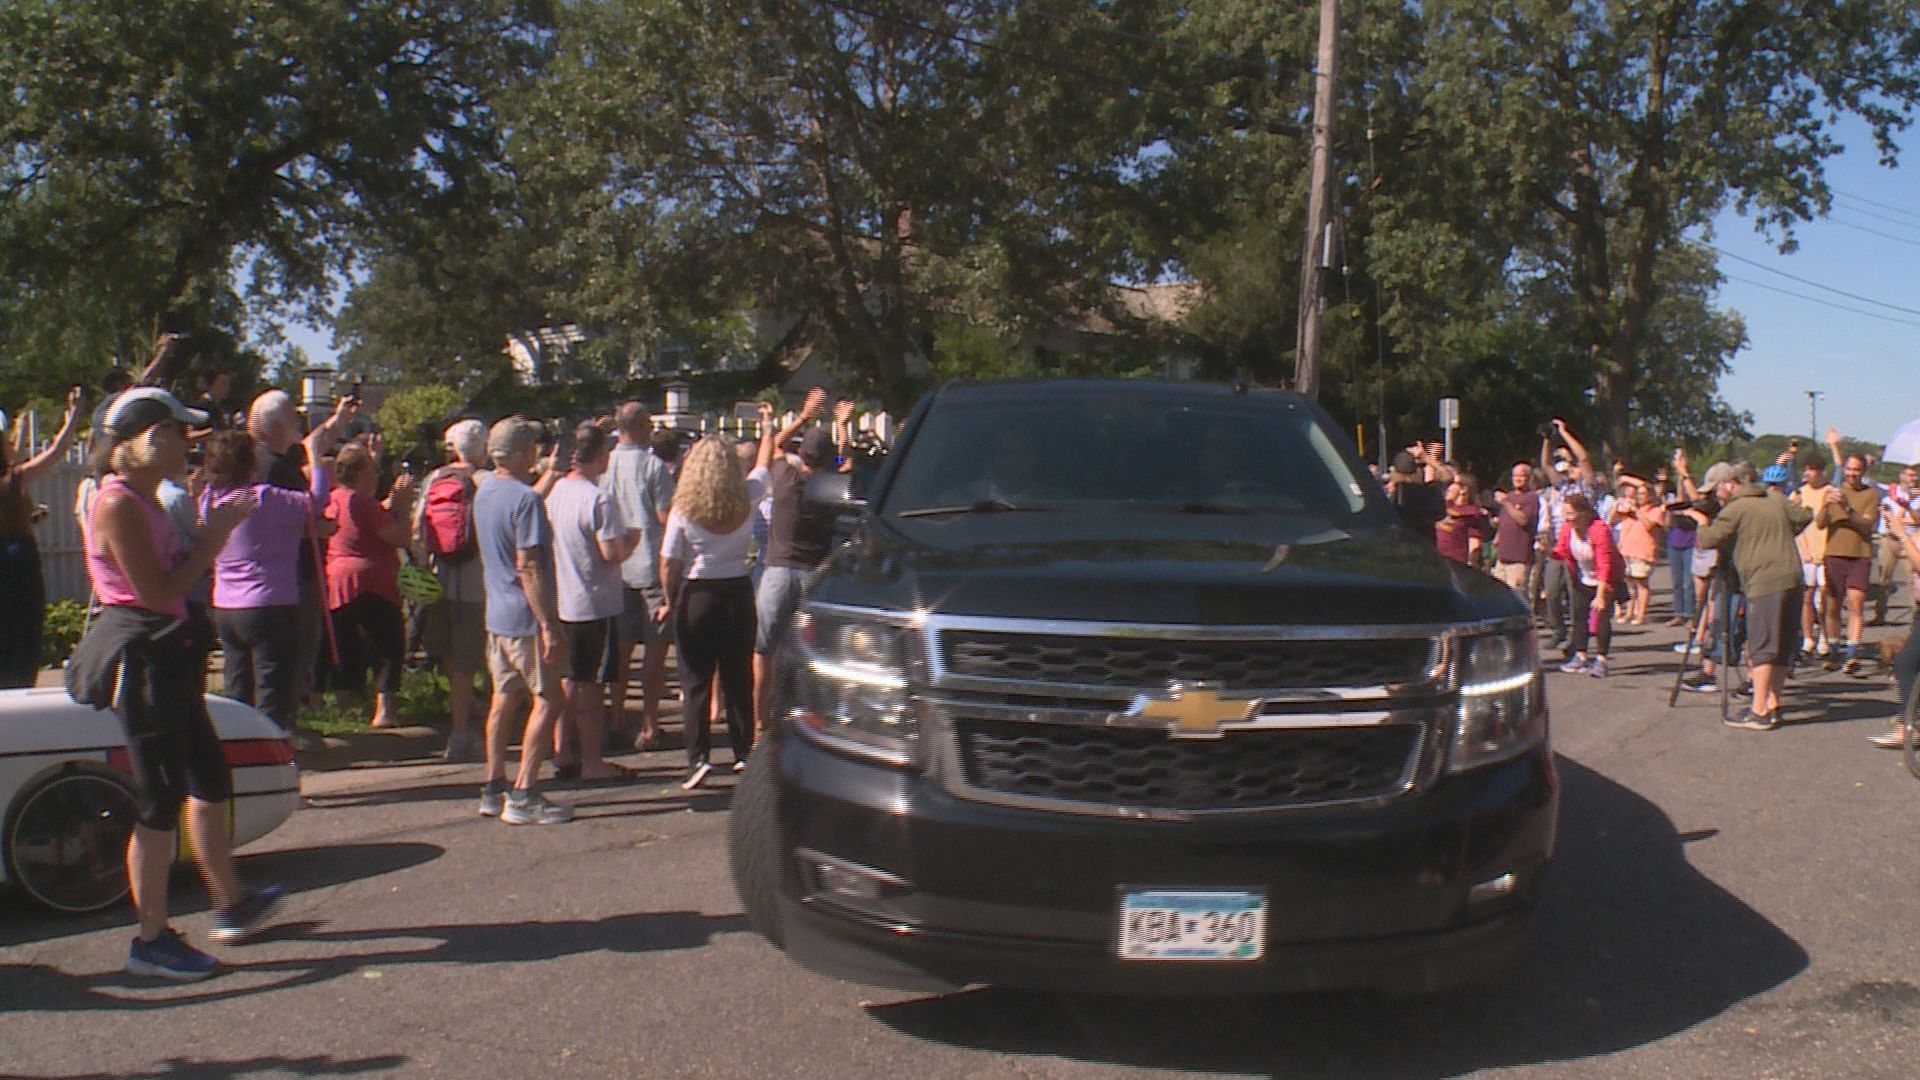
(525, 647)
(641, 485)
(453, 628)
(275, 426)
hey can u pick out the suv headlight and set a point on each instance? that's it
(1502, 710)
(854, 691)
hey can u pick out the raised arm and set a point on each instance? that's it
(1582, 462)
(62, 440)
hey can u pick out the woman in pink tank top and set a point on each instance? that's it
(157, 656)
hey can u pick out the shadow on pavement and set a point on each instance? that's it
(1633, 946)
(40, 989)
(299, 869)
(319, 1065)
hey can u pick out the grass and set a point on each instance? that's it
(422, 700)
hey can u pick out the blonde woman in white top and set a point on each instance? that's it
(709, 594)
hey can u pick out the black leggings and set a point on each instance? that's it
(372, 634)
(261, 649)
(171, 742)
(23, 610)
(715, 623)
(1582, 611)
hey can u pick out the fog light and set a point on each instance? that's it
(1493, 889)
(849, 880)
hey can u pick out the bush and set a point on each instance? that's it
(66, 620)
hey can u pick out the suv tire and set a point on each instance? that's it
(753, 846)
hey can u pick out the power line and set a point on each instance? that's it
(1820, 301)
(1869, 230)
(1910, 212)
(1809, 281)
(1905, 223)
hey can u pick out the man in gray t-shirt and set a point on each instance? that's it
(525, 649)
(642, 488)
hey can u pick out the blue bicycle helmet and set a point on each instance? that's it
(1775, 474)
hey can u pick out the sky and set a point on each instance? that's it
(1869, 246)
(1860, 359)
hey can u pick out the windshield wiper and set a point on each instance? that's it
(983, 506)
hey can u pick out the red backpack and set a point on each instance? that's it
(446, 521)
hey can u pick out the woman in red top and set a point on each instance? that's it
(1458, 535)
(363, 579)
(1595, 572)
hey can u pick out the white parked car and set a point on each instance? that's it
(66, 793)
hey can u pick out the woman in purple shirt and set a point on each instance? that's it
(256, 588)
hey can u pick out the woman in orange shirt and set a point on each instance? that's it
(1639, 518)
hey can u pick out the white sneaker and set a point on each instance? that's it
(696, 777)
(534, 809)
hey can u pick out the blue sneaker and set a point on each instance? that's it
(169, 957)
(233, 925)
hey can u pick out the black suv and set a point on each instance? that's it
(1137, 687)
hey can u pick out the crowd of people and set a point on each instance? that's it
(550, 559)
(1769, 567)
(565, 564)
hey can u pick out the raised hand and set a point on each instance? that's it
(815, 404)
(75, 397)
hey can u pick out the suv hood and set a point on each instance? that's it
(1157, 568)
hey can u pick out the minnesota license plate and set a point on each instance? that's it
(1192, 924)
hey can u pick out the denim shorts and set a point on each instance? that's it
(775, 600)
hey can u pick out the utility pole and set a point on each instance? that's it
(1813, 415)
(1317, 253)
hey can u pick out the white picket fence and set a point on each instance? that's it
(62, 560)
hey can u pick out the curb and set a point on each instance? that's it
(413, 743)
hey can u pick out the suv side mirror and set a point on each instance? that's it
(834, 489)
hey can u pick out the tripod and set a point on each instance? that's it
(1719, 584)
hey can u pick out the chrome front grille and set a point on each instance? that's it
(1155, 663)
(1055, 715)
(1147, 770)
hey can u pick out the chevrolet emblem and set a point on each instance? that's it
(1193, 711)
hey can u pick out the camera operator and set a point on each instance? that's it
(1757, 526)
(1420, 502)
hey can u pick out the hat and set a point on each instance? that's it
(816, 448)
(511, 436)
(1718, 473)
(1404, 462)
(142, 407)
(1775, 474)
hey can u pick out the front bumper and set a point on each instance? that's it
(973, 893)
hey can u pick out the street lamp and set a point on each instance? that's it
(1813, 413)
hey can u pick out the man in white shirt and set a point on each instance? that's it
(590, 541)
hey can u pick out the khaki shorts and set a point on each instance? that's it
(1513, 575)
(454, 632)
(1639, 569)
(515, 666)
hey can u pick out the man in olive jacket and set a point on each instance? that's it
(1758, 527)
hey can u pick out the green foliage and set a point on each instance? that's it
(422, 699)
(65, 621)
(418, 412)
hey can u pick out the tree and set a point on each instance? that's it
(161, 158)
(1604, 135)
(869, 164)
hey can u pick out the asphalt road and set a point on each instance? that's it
(1724, 903)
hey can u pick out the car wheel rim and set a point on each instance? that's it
(68, 843)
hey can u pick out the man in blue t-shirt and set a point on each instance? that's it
(525, 648)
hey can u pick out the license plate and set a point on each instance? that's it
(1192, 924)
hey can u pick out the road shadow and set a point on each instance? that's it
(203, 1069)
(41, 989)
(299, 869)
(1633, 946)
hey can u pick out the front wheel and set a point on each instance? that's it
(65, 841)
(753, 845)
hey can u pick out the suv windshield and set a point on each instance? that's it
(998, 448)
